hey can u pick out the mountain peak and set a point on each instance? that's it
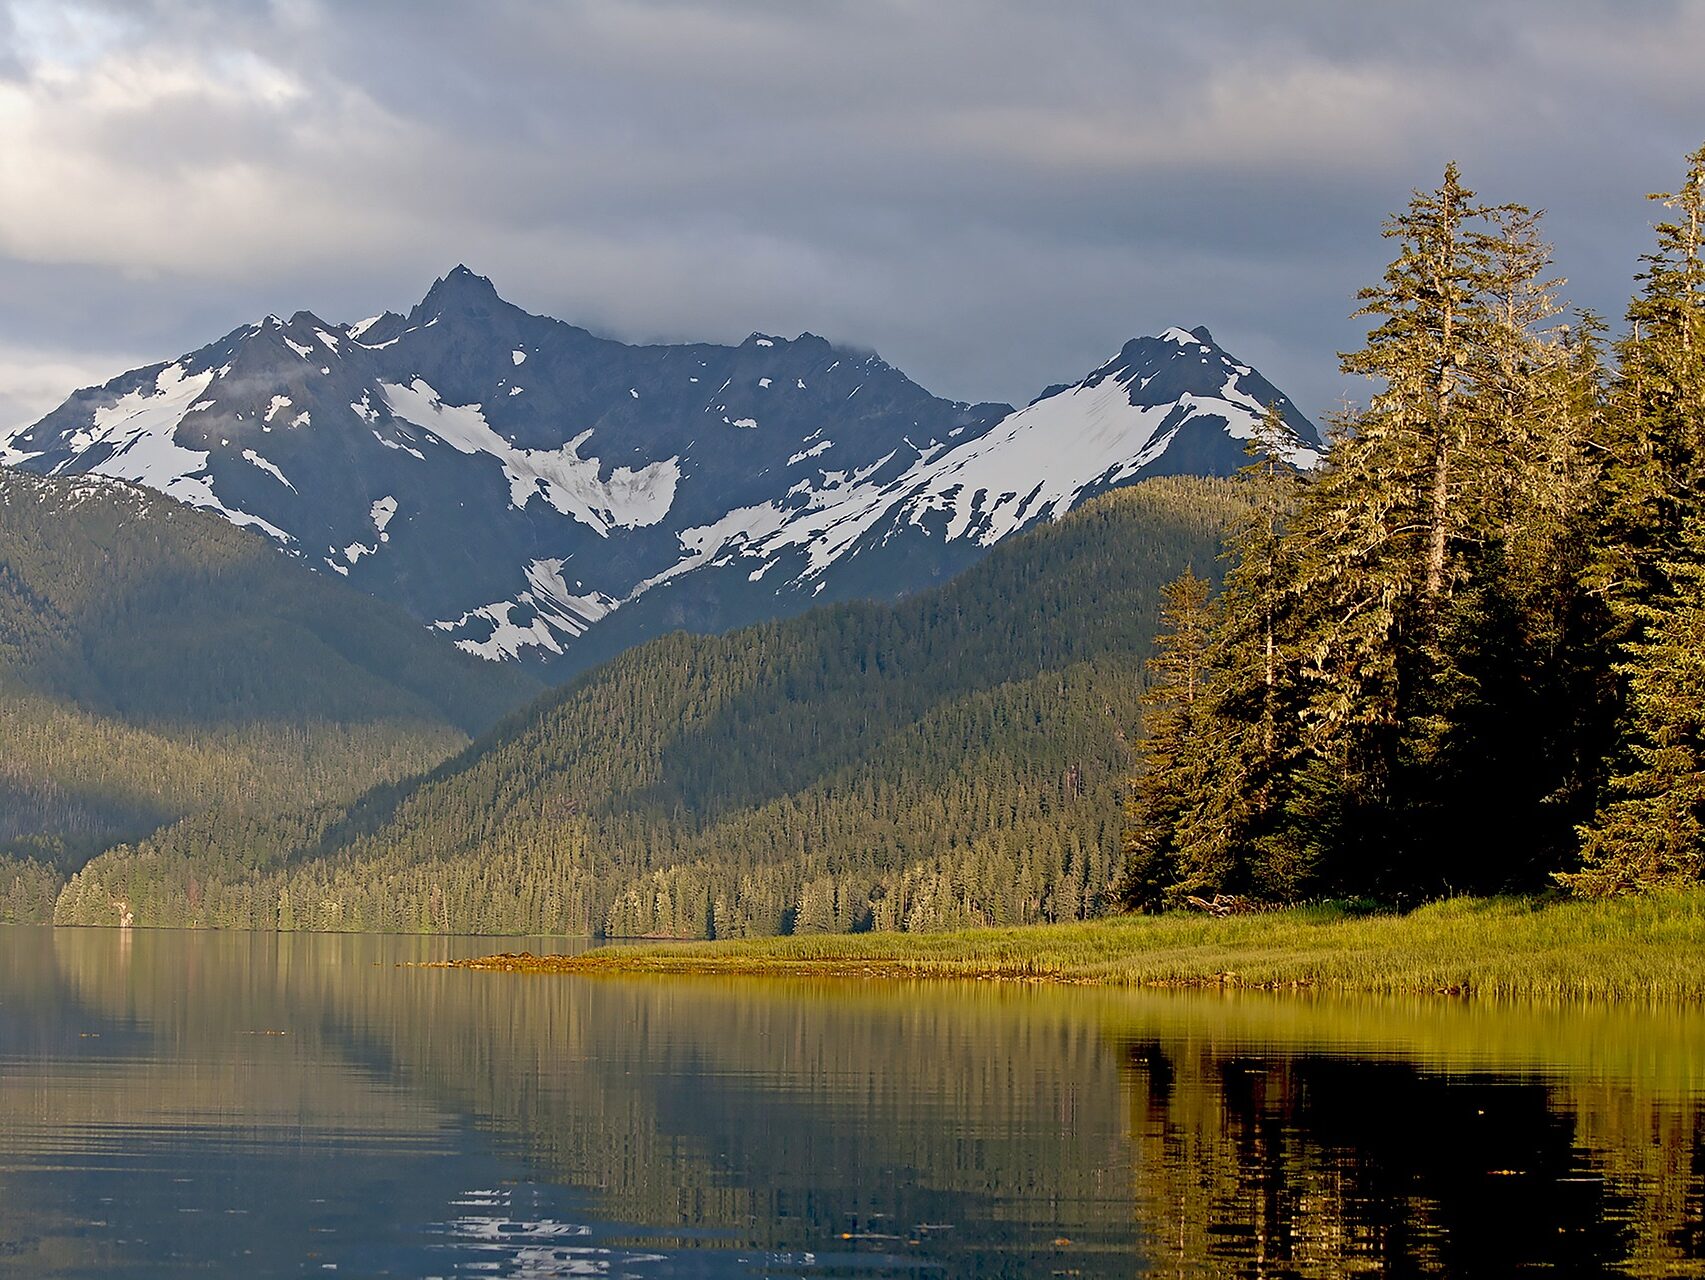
(460, 286)
(1187, 337)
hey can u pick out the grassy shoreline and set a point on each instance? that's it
(1646, 949)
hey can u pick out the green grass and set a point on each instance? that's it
(1647, 948)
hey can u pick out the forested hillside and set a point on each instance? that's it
(958, 757)
(157, 662)
(1468, 654)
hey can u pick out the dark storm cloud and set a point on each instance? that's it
(993, 194)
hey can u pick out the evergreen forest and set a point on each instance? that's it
(156, 662)
(1468, 653)
(956, 758)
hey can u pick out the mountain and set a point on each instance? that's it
(955, 757)
(535, 492)
(155, 662)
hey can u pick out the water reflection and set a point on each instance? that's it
(288, 1104)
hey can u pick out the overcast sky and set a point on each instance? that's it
(994, 194)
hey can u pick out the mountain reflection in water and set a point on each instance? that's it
(279, 1105)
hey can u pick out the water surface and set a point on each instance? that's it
(256, 1104)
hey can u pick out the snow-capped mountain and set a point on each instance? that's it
(521, 484)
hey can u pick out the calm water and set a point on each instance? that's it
(177, 1103)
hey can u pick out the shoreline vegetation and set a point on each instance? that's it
(1647, 948)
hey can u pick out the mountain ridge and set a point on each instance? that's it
(535, 492)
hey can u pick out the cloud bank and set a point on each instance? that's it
(994, 194)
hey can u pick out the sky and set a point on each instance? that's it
(993, 194)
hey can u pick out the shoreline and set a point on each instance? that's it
(1647, 949)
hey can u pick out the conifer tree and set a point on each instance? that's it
(1518, 689)
(1652, 832)
(1399, 540)
(1250, 727)
(1170, 770)
(1655, 478)
(1431, 331)
(1651, 565)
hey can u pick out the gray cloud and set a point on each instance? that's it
(994, 194)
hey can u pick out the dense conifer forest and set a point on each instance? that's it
(157, 662)
(1468, 654)
(955, 758)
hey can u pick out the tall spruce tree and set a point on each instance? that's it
(1250, 724)
(1388, 535)
(1650, 565)
(1655, 479)
(1173, 770)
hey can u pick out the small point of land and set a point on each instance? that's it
(1644, 948)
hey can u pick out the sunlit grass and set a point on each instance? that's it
(1647, 948)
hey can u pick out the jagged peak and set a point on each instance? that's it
(307, 321)
(461, 284)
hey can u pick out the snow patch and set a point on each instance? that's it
(559, 613)
(11, 457)
(278, 404)
(812, 452)
(518, 356)
(254, 459)
(380, 513)
(393, 444)
(629, 499)
(574, 612)
(140, 428)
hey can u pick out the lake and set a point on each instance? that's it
(254, 1104)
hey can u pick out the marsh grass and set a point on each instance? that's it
(1646, 948)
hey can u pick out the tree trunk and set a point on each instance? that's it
(1437, 522)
